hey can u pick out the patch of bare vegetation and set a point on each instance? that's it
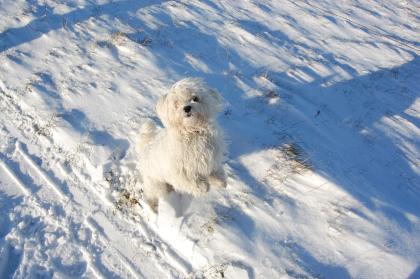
(46, 129)
(289, 159)
(126, 196)
(211, 272)
(127, 200)
(120, 38)
(295, 154)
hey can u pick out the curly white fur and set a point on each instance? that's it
(186, 155)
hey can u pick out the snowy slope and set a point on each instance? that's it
(322, 110)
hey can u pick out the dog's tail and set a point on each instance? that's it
(147, 133)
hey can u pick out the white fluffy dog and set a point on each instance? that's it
(186, 155)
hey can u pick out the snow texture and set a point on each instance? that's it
(322, 110)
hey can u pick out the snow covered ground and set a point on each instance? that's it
(322, 110)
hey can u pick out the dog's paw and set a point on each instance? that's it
(217, 181)
(202, 187)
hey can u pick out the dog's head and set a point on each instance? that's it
(190, 104)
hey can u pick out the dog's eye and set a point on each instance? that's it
(195, 99)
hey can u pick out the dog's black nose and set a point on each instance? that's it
(187, 109)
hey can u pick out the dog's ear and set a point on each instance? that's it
(162, 109)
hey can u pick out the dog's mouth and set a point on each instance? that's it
(188, 114)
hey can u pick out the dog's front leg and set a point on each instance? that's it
(196, 186)
(202, 185)
(153, 190)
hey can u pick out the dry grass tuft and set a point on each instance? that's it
(295, 154)
(211, 272)
(127, 200)
(289, 159)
